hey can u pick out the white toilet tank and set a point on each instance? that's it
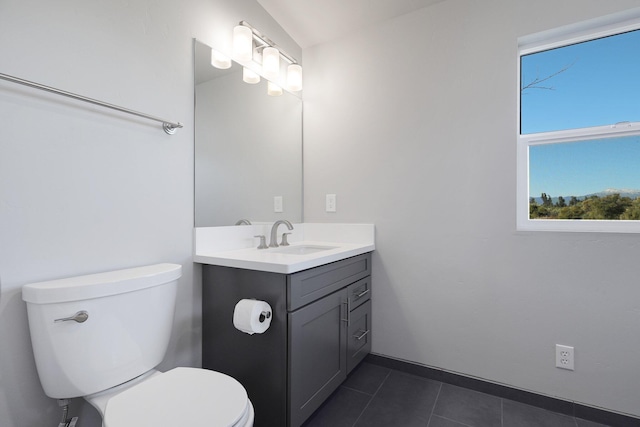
(129, 316)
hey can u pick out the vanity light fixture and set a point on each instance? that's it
(219, 60)
(250, 76)
(273, 89)
(294, 77)
(242, 43)
(271, 62)
(268, 51)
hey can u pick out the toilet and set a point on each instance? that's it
(101, 337)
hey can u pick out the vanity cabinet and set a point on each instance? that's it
(320, 330)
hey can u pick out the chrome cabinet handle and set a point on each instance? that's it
(348, 304)
(362, 334)
(363, 293)
(79, 317)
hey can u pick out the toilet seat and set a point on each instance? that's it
(182, 397)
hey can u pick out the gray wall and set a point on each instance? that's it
(413, 125)
(85, 190)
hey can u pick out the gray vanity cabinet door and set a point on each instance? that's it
(317, 354)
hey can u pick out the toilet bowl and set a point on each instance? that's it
(101, 336)
(179, 397)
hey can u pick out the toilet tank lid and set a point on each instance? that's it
(101, 284)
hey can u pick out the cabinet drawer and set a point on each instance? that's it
(359, 335)
(359, 292)
(309, 285)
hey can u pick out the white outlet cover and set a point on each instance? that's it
(330, 203)
(565, 357)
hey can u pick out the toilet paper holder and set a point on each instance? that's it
(264, 316)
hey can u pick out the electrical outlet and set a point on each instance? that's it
(330, 203)
(564, 357)
(277, 204)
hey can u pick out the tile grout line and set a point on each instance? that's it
(383, 381)
(433, 408)
(356, 390)
(454, 421)
(371, 398)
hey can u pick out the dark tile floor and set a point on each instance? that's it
(374, 396)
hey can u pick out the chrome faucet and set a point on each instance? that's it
(274, 232)
(243, 222)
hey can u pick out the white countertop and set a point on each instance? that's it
(268, 260)
(219, 246)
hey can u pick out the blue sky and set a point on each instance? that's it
(600, 86)
(581, 168)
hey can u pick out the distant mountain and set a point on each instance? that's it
(623, 192)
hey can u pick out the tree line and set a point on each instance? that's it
(611, 207)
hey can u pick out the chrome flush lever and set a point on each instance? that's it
(79, 317)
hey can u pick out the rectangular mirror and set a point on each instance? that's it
(248, 148)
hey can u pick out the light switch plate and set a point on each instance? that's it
(277, 204)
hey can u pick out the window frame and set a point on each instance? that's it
(578, 33)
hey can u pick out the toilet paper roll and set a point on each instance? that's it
(252, 316)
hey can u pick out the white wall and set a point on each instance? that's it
(413, 125)
(83, 189)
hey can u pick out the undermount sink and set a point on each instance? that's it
(302, 249)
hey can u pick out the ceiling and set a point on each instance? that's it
(311, 22)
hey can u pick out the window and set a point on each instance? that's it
(579, 129)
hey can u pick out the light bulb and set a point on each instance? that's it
(270, 62)
(219, 60)
(250, 76)
(273, 89)
(294, 77)
(242, 43)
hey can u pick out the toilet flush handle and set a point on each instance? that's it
(79, 317)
